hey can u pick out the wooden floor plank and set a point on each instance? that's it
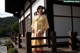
(48, 50)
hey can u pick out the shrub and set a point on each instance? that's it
(12, 50)
(9, 44)
(10, 47)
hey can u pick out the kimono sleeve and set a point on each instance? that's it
(46, 24)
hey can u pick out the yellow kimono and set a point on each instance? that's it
(39, 23)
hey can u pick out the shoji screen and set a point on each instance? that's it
(62, 20)
(76, 19)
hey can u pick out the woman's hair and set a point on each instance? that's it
(41, 7)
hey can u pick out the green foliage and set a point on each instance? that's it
(12, 50)
(6, 25)
(10, 47)
(8, 44)
(2, 31)
(7, 20)
(15, 27)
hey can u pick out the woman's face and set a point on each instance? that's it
(40, 11)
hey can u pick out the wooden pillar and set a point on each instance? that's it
(28, 34)
(28, 42)
(53, 39)
(73, 40)
(49, 6)
(23, 24)
(15, 39)
(19, 41)
(30, 9)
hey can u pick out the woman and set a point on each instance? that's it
(39, 25)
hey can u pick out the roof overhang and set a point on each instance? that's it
(14, 6)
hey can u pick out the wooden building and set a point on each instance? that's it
(63, 17)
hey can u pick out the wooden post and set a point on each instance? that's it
(50, 17)
(28, 42)
(53, 39)
(73, 41)
(15, 39)
(48, 40)
(19, 41)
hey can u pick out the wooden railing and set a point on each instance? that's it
(63, 43)
(14, 38)
(29, 46)
(73, 42)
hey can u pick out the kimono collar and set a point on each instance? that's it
(37, 17)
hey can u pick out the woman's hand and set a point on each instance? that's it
(32, 30)
(39, 33)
